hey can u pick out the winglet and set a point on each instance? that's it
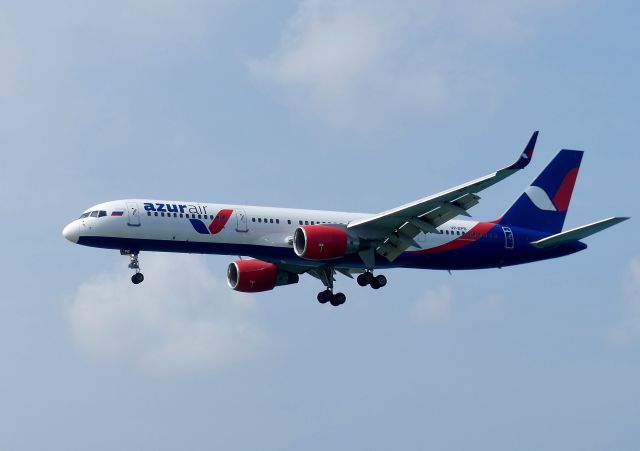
(527, 153)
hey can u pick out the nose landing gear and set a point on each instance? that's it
(134, 264)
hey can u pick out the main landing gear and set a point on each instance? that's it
(334, 299)
(134, 264)
(326, 277)
(367, 278)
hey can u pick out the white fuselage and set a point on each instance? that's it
(198, 227)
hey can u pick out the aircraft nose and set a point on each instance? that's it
(72, 232)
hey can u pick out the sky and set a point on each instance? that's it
(322, 104)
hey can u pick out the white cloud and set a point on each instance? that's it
(434, 306)
(182, 317)
(629, 329)
(349, 59)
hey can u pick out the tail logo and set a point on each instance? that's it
(561, 199)
(563, 195)
(540, 198)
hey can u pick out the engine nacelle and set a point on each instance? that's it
(323, 242)
(251, 276)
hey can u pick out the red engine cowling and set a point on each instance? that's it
(323, 242)
(251, 276)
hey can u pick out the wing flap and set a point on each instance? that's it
(578, 233)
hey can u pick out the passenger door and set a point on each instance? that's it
(508, 238)
(241, 218)
(133, 214)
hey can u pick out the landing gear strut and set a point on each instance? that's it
(367, 278)
(134, 264)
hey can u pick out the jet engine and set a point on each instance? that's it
(323, 242)
(251, 276)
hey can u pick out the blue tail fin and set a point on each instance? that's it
(544, 204)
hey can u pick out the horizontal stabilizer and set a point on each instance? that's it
(577, 234)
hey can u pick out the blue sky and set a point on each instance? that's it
(343, 105)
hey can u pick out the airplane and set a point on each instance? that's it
(284, 243)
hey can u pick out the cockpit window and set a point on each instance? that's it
(94, 214)
(84, 215)
(102, 213)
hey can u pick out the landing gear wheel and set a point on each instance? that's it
(134, 263)
(338, 299)
(375, 285)
(365, 278)
(324, 296)
(381, 280)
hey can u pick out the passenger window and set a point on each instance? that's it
(148, 213)
(162, 214)
(271, 221)
(175, 215)
(259, 219)
(253, 219)
(181, 215)
(277, 221)
(306, 223)
(288, 221)
(300, 222)
(265, 220)
(199, 216)
(156, 213)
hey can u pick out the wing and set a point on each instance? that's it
(396, 229)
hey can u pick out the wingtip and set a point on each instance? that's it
(531, 144)
(527, 153)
